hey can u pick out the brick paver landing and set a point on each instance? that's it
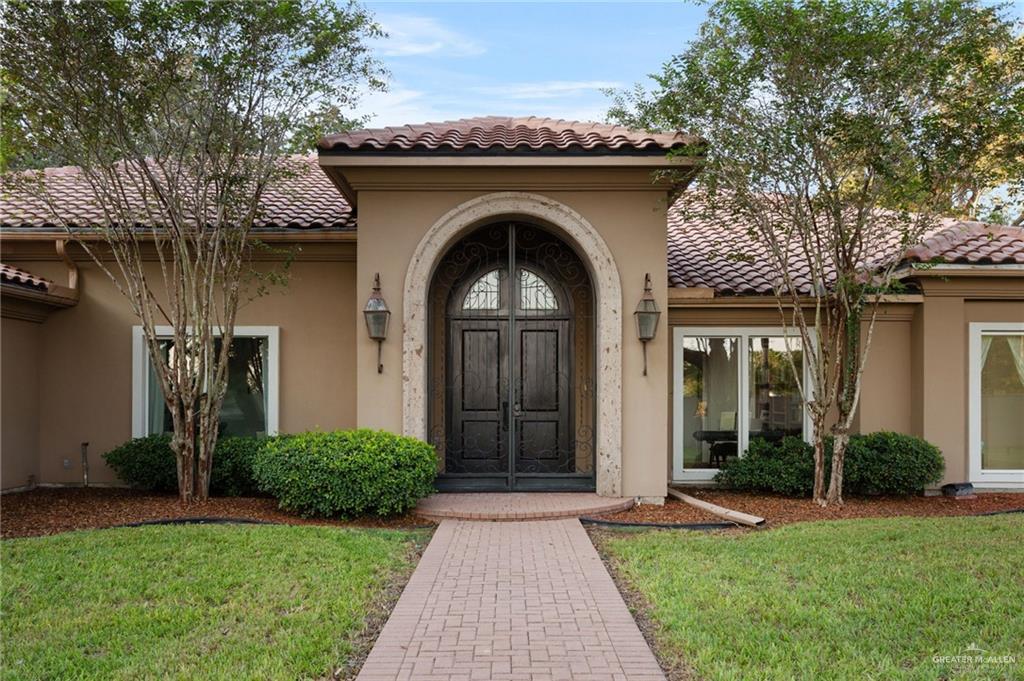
(511, 601)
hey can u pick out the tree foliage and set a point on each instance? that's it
(840, 132)
(179, 115)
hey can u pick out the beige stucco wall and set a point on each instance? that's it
(629, 214)
(19, 403)
(940, 338)
(916, 376)
(85, 361)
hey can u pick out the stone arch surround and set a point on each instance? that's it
(590, 246)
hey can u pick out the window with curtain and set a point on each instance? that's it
(775, 408)
(245, 404)
(732, 385)
(1002, 401)
(710, 401)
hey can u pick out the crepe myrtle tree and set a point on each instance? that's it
(179, 115)
(840, 131)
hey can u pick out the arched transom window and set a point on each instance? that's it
(485, 293)
(534, 292)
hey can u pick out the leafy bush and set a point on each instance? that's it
(891, 463)
(147, 463)
(878, 463)
(232, 466)
(346, 473)
(785, 467)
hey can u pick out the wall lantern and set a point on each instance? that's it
(377, 315)
(646, 315)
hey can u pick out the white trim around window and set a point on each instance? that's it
(141, 364)
(742, 334)
(982, 477)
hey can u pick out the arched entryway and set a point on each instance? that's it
(511, 356)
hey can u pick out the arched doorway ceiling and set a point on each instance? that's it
(604, 275)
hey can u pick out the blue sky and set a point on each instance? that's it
(452, 60)
(457, 59)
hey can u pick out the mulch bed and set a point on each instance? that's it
(779, 510)
(46, 511)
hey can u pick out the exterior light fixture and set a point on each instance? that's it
(377, 315)
(646, 315)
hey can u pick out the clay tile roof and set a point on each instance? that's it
(305, 200)
(19, 277)
(504, 134)
(732, 263)
(973, 243)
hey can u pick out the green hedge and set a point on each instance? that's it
(346, 473)
(147, 463)
(877, 463)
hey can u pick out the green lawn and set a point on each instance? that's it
(855, 599)
(187, 602)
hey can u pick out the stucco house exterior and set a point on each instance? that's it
(512, 254)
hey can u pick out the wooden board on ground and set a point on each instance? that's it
(720, 511)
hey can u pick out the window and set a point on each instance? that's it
(996, 404)
(485, 293)
(250, 404)
(731, 385)
(534, 292)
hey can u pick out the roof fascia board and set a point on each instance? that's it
(394, 160)
(960, 270)
(282, 236)
(769, 301)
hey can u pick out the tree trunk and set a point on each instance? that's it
(819, 460)
(204, 467)
(187, 458)
(835, 484)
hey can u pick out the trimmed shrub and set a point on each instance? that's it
(233, 459)
(891, 463)
(785, 467)
(346, 473)
(147, 463)
(878, 463)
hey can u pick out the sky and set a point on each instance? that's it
(452, 60)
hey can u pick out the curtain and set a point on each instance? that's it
(1016, 344)
(155, 403)
(986, 345)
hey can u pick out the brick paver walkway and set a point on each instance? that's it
(511, 601)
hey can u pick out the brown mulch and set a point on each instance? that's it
(46, 511)
(779, 510)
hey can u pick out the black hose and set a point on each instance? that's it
(667, 526)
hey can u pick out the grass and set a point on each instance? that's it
(855, 599)
(199, 601)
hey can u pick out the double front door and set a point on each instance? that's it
(510, 417)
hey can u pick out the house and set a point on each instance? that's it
(512, 254)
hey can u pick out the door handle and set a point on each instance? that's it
(504, 415)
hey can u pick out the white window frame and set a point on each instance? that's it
(743, 335)
(141, 365)
(981, 477)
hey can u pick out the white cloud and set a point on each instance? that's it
(402, 105)
(417, 36)
(551, 89)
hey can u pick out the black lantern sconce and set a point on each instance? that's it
(377, 315)
(646, 315)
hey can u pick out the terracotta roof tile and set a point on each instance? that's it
(306, 200)
(19, 277)
(730, 261)
(973, 243)
(505, 134)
